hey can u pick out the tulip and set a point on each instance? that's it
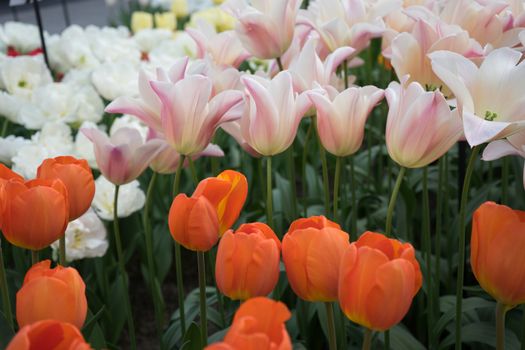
(265, 28)
(49, 335)
(272, 113)
(165, 20)
(227, 192)
(193, 222)
(224, 48)
(513, 145)
(141, 20)
(318, 222)
(57, 294)
(147, 108)
(180, 8)
(6, 174)
(378, 278)
(420, 126)
(259, 323)
(489, 98)
(311, 257)
(35, 213)
(341, 117)
(190, 115)
(124, 156)
(248, 261)
(76, 176)
(497, 245)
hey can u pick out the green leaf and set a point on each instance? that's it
(6, 333)
(483, 333)
(192, 339)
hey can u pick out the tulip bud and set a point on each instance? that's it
(141, 20)
(57, 294)
(76, 176)
(193, 222)
(166, 20)
(248, 261)
(378, 278)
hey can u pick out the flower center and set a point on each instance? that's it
(490, 116)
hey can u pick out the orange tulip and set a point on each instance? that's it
(46, 293)
(35, 213)
(227, 192)
(193, 223)
(312, 257)
(248, 261)
(318, 222)
(378, 278)
(6, 174)
(496, 255)
(76, 176)
(49, 335)
(258, 324)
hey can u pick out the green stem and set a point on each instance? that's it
(201, 266)
(279, 64)
(122, 267)
(367, 339)
(504, 181)
(34, 257)
(332, 338)
(211, 261)
(523, 329)
(157, 304)
(215, 161)
(293, 181)
(461, 241)
(428, 261)
(324, 164)
(269, 195)
(353, 232)
(5, 126)
(501, 310)
(337, 177)
(392, 203)
(303, 167)
(439, 221)
(193, 171)
(345, 73)
(5, 292)
(387, 339)
(178, 256)
(62, 250)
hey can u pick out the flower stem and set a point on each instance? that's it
(5, 292)
(279, 64)
(193, 171)
(439, 223)
(324, 164)
(332, 339)
(337, 177)
(428, 261)
(62, 250)
(461, 243)
(345, 73)
(220, 303)
(303, 166)
(269, 195)
(353, 232)
(157, 304)
(201, 266)
(178, 255)
(392, 202)
(293, 181)
(122, 267)
(501, 310)
(5, 126)
(504, 181)
(35, 258)
(367, 340)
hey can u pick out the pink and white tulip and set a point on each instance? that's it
(124, 156)
(225, 48)
(513, 146)
(272, 113)
(341, 117)
(190, 114)
(148, 106)
(491, 98)
(420, 126)
(265, 27)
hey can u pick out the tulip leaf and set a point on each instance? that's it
(192, 338)
(117, 307)
(482, 333)
(402, 339)
(92, 319)
(162, 251)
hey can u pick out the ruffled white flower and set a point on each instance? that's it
(23, 37)
(86, 237)
(53, 140)
(112, 44)
(71, 49)
(9, 147)
(10, 106)
(21, 75)
(116, 79)
(131, 198)
(148, 39)
(129, 121)
(163, 55)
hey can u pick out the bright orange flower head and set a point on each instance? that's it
(378, 278)
(193, 222)
(57, 294)
(248, 261)
(259, 324)
(49, 335)
(312, 257)
(227, 192)
(35, 213)
(496, 254)
(76, 176)
(318, 222)
(6, 174)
